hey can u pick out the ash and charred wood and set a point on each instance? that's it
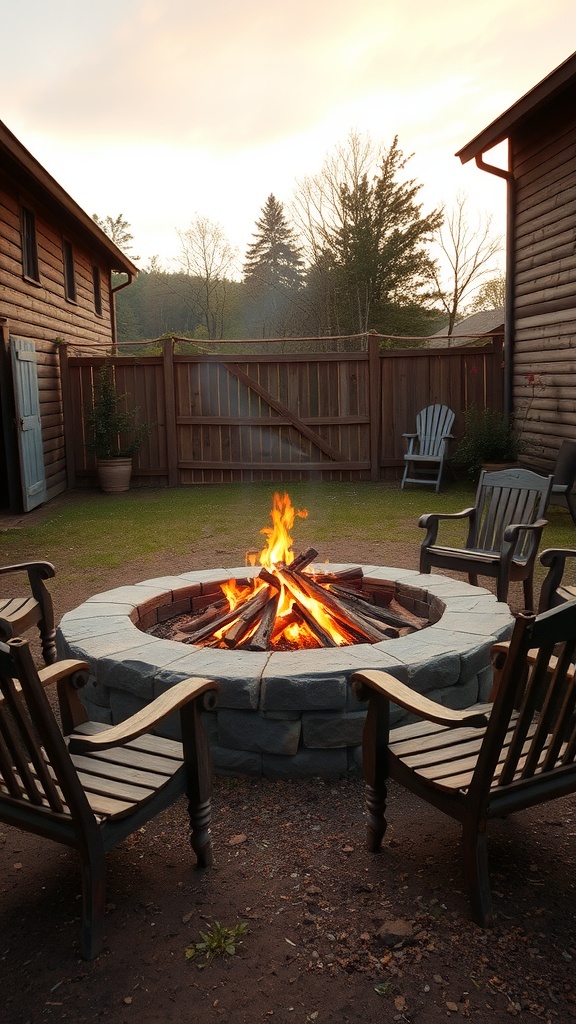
(246, 615)
(269, 578)
(322, 635)
(343, 615)
(260, 641)
(391, 617)
(393, 614)
(354, 575)
(212, 612)
(410, 617)
(223, 620)
(303, 559)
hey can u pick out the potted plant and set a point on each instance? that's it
(490, 441)
(114, 435)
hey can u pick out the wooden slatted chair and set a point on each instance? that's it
(504, 530)
(19, 614)
(427, 448)
(486, 761)
(555, 588)
(96, 784)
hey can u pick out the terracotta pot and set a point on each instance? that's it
(114, 474)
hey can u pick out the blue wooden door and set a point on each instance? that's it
(28, 423)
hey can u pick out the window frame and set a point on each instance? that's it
(29, 238)
(68, 263)
(97, 289)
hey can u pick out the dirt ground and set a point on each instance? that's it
(333, 933)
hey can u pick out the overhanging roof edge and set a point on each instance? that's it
(12, 146)
(500, 129)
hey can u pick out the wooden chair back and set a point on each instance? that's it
(506, 497)
(19, 614)
(433, 425)
(36, 773)
(529, 749)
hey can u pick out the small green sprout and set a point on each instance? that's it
(219, 940)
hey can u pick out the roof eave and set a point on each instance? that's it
(11, 145)
(501, 128)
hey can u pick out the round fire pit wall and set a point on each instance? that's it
(289, 714)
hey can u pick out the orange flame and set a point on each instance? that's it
(279, 546)
(278, 551)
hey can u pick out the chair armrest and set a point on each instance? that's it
(146, 719)
(409, 435)
(555, 560)
(431, 520)
(510, 540)
(61, 670)
(388, 686)
(511, 532)
(44, 570)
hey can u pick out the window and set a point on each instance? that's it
(69, 276)
(29, 246)
(97, 282)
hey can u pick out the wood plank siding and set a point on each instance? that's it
(50, 300)
(543, 151)
(540, 334)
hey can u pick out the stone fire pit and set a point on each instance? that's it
(281, 714)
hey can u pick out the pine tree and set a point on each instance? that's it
(273, 272)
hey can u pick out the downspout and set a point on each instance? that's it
(117, 288)
(510, 251)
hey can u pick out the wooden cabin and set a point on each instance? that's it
(55, 286)
(540, 182)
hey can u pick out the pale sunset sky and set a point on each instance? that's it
(164, 110)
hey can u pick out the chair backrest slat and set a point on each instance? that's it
(532, 728)
(503, 498)
(432, 425)
(30, 763)
(36, 767)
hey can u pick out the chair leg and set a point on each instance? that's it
(570, 501)
(200, 841)
(473, 578)
(528, 588)
(93, 869)
(376, 824)
(198, 760)
(404, 475)
(48, 642)
(476, 867)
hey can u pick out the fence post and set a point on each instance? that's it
(170, 407)
(67, 417)
(374, 404)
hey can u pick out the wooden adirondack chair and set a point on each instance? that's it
(555, 589)
(504, 530)
(93, 786)
(424, 460)
(486, 761)
(18, 614)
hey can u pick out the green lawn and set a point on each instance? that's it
(85, 532)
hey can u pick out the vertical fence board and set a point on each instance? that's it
(322, 415)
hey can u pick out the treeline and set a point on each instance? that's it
(159, 303)
(355, 253)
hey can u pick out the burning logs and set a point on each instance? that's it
(288, 607)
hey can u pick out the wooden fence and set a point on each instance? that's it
(322, 415)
